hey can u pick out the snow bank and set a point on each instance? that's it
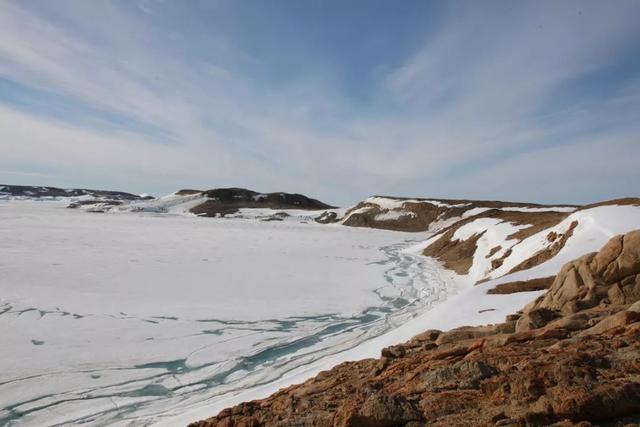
(494, 233)
(394, 215)
(389, 203)
(595, 227)
(541, 209)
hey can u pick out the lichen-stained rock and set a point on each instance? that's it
(464, 374)
(382, 410)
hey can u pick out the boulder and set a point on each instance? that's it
(382, 410)
(473, 332)
(464, 374)
(611, 276)
(535, 319)
(617, 320)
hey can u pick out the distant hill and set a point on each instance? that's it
(38, 192)
(223, 201)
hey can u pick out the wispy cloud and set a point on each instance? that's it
(499, 94)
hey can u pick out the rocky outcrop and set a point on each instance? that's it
(410, 215)
(224, 201)
(327, 217)
(537, 284)
(571, 358)
(399, 214)
(610, 276)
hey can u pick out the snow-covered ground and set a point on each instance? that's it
(139, 318)
(129, 317)
(469, 304)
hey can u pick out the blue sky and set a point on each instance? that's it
(519, 100)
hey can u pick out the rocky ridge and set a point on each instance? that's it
(570, 358)
(414, 215)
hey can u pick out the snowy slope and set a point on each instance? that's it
(586, 231)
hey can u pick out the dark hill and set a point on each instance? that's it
(28, 191)
(222, 201)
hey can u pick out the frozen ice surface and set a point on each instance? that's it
(121, 318)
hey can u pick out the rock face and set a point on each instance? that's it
(223, 201)
(609, 276)
(571, 358)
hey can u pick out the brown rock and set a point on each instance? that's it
(537, 284)
(607, 255)
(394, 352)
(573, 322)
(618, 320)
(635, 307)
(619, 258)
(461, 375)
(428, 335)
(513, 317)
(610, 276)
(473, 332)
(535, 319)
(381, 410)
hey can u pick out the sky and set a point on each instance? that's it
(339, 100)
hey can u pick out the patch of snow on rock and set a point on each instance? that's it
(393, 215)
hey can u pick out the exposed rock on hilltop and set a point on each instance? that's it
(571, 358)
(224, 201)
(426, 214)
